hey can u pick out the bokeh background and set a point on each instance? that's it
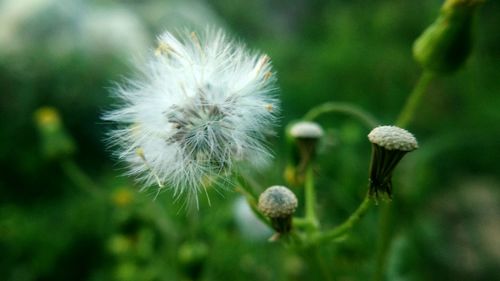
(66, 213)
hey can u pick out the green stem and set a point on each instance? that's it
(252, 202)
(414, 99)
(347, 225)
(345, 108)
(383, 242)
(301, 223)
(406, 116)
(164, 224)
(79, 178)
(250, 186)
(321, 264)
(310, 199)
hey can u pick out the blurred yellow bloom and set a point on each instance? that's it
(47, 116)
(122, 197)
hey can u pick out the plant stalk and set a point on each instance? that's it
(414, 99)
(310, 199)
(386, 225)
(364, 117)
(347, 225)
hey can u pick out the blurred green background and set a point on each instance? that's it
(62, 222)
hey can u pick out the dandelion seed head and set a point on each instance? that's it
(393, 138)
(202, 105)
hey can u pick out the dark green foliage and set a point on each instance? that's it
(447, 195)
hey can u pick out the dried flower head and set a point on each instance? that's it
(393, 138)
(306, 130)
(303, 138)
(202, 105)
(390, 144)
(278, 203)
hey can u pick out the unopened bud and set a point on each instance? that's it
(192, 257)
(445, 45)
(55, 141)
(278, 203)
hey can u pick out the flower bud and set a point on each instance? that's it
(278, 203)
(445, 45)
(192, 257)
(55, 141)
(122, 197)
(119, 244)
(389, 145)
(303, 140)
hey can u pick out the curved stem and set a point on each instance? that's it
(408, 112)
(252, 202)
(247, 186)
(345, 108)
(347, 225)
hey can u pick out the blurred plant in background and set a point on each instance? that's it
(65, 215)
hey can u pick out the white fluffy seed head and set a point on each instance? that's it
(393, 138)
(277, 202)
(307, 130)
(202, 105)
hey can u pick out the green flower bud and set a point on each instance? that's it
(55, 141)
(119, 244)
(192, 257)
(445, 45)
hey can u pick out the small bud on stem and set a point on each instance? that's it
(445, 45)
(278, 203)
(56, 143)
